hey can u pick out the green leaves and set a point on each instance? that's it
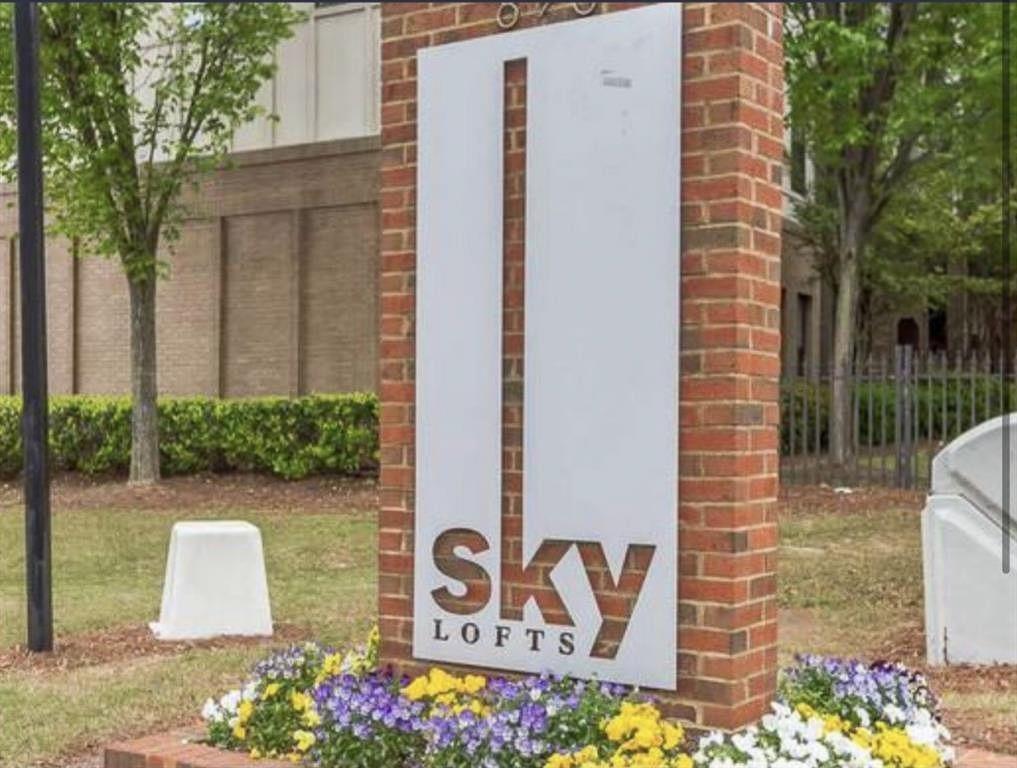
(290, 438)
(887, 78)
(901, 107)
(137, 99)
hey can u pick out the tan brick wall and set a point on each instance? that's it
(256, 305)
(340, 270)
(103, 319)
(272, 286)
(187, 333)
(730, 329)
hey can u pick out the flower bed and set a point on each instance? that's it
(333, 710)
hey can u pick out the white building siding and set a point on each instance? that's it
(327, 84)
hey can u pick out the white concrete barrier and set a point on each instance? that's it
(970, 600)
(215, 582)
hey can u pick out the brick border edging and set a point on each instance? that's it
(178, 749)
(973, 757)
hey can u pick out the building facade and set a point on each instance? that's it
(272, 287)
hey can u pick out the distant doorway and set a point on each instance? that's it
(907, 332)
(937, 330)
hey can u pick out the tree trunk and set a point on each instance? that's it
(144, 417)
(844, 312)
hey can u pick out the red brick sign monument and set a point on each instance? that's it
(580, 312)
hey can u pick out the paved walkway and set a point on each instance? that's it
(969, 757)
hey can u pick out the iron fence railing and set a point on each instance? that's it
(902, 408)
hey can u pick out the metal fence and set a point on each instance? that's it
(903, 408)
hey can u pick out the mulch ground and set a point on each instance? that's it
(116, 645)
(228, 491)
(822, 499)
(967, 726)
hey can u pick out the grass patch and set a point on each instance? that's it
(848, 581)
(998, 709)
(46, 715)
(107, 572)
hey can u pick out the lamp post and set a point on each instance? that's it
(35, 427)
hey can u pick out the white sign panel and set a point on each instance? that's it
(600, 456)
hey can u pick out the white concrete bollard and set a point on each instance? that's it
(215, 582)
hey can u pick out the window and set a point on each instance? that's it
(804, 326)
(799, 181)
(937, 330)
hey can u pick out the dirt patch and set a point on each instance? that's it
(124, 643)
(823, 499)
(969, 729)
(229, 491)
(969, 725)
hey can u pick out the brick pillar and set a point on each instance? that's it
(732, 154)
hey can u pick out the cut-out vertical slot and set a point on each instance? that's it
(513, 309)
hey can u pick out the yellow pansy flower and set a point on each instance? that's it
(673, 735)
(894, 747)
(473, 683)
(445, 699)
(300, 701)
(311, 718)
(245, 710)
(270, 690)
(304, 740)
(330, 667)
(416, 690)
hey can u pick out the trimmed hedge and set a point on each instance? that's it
(288, 437)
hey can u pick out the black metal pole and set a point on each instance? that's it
(1007, 313)
(35, 426)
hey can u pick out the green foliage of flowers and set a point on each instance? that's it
(274, 714)
(287, 437)
(339, 711)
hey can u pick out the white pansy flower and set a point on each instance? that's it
(714, 736)
(230, 701)
(745, 742)
(894, 714)
(210, 712)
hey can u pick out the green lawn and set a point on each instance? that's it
(108, 570)
(847, 582)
